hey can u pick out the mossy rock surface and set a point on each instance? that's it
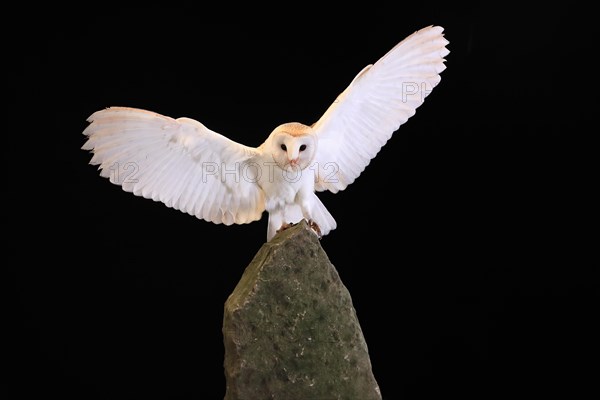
(290, 329)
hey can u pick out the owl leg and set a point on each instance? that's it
(275, 223)
(313, 225)
(317, 216)
(306, 212)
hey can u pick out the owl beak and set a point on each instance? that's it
(294, 161)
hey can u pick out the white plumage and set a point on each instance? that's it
(191, 168)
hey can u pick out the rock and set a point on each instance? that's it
(290, 328)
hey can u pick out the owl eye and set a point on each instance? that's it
(283, 147)
(303, 147)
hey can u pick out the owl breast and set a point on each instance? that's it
(282, 187)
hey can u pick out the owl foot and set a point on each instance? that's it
(313, 225)
(285, 226)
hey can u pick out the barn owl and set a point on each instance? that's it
(191, 168)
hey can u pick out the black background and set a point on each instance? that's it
(462, 244)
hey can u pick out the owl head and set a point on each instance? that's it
(292, 145)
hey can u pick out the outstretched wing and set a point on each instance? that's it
(179, 162)
(381, 97)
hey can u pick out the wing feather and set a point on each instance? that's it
(179, 162)
(381, 97)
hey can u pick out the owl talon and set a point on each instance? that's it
(284, 227)
(313, 225)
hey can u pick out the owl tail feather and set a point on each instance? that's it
(321, 216)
